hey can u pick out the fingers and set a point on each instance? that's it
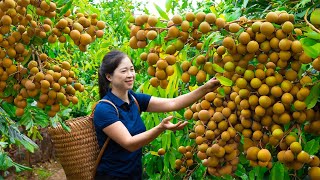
(167, 119)
(180, 125)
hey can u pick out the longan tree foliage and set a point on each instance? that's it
(26, 71)
(30, 77)
(267, 103)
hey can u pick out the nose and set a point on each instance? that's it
(131, 74)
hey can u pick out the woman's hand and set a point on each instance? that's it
(212, 84)
(166, 124)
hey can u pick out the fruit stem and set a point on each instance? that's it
(40, 66)
(300, 134)
(191, 172)
(309, 24)
(286, 133)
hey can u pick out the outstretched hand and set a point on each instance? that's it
(166, 124)
(212, 84)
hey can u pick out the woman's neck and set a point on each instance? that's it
(123, 95)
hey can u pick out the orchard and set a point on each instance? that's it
(263, 122)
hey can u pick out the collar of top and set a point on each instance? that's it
(116, 100)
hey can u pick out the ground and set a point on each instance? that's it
(51, 170)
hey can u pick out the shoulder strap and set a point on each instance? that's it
(106, 142)
(135, 100)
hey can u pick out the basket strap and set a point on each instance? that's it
(108, 139)
(135, 100)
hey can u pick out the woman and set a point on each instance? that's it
(122, 157)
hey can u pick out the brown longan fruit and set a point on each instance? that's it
(176, 19)
(173, 32)
(220, 23)
(264, 155)
(272, 17)
(210, 18)
(204, 27)
(85, 39)
(234, 27)
(228, 42)
(304, 58)
(52, 38)
(185, 77)
(151, 71)
(161, 64)
(244, 38)
(201, 76)
(154, 82)
(152, 58)
(285, 44)
(314, 162)
(75, 35)
(101, 25)
(316, 64)
(151, 35)
(171, 49)
(152, 21)
(252, 46)
(267, 28)
(283, 17)
(190, 16)
(287, 27)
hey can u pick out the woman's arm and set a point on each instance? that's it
(120, 134)
(172, 104)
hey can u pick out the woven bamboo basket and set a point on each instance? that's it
(77, 150)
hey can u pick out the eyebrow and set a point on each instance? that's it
(127, 67)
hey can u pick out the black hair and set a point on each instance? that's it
(109, 63)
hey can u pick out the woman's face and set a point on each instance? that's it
(123, 76)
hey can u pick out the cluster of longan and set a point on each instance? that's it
(179, 32)
(217, 142)
(159, 68)
(26, 73)
(268, 95)
(49, 86)
(81, 29)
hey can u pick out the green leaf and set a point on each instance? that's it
(164, 140)
(312, 99)
(37, 40)
(161, 12)
(311, 47)
(169, 140)
(61, 2)
(7, 92)
(65, 8)
(245, 3)
(217, 68)
(172, 159)
(224, 81)
(277, 171)
(8, 108)
(221, 92)
(260, 171)
(64, 126)
(20, 167)
(168, 5)
(241, 172)
(312, 146)
(313, 35)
